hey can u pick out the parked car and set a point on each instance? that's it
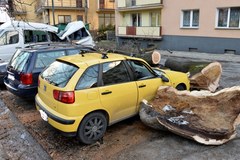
(18, 34)
(3, 71)
(25, 65)
(81, 95)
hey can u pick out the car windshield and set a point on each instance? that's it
(59, 73)
(19, 60)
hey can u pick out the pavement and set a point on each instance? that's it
(17, 143)
(199, 55)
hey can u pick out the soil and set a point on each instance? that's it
(118, 137)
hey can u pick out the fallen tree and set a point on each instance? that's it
(202, 75)
(208, 118)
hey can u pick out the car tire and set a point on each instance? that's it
(92, 128)
(181, 87)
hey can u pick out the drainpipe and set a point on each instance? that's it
(53, 12)
(86, 11)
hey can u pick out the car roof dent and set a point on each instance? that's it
(74, 27)
(28, 26)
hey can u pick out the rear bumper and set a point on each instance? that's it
(67, 125)
(23, 91)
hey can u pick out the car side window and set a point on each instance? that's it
(33, 36)
(114, 73)
(10, 37)
(89, 78)
(73, 51)
(140, 70)
(45, 58)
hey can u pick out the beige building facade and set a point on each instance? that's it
(212, 26)
(138, 19)
(97, 13)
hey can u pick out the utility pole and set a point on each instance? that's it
(53, 12)
(86, 11)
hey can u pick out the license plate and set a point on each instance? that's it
(43, 115)
(11, 77)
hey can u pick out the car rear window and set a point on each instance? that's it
(59, 73)
(46, 58)
(19, 60)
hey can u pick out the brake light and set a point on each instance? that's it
(64, 96)
(26, 78)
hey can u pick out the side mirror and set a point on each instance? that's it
(164, 78)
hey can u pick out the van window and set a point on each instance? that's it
(31, 36)
(10, 37)
(46, 58)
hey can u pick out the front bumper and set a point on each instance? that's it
(67, 125)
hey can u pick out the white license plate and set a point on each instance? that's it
(11, 77)
(43, 115)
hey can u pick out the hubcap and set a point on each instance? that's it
(94, 128)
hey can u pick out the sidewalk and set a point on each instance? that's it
(204, 56)
(15, 141)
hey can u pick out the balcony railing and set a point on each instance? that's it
(106, 5)
(144, 32)
(125, 5)
(59, 4)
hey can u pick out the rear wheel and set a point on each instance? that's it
(92, 128)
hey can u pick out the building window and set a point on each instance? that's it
(136, 20)
(80, 17)
(190, 18)
(229, 17)
(64, 19)
(106, 20)
(155, 19)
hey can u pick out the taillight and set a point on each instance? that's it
(26, 78)
(64, 96)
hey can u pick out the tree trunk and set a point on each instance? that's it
(202, 75)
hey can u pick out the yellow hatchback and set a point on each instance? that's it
(83, 94)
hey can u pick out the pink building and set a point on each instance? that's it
(188, 25)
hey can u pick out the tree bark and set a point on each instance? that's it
(202, 75)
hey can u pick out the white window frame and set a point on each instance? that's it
(228, 19)
(191, 18)
(157, 19)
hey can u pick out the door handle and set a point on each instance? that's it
(107, 92)
(141, 86)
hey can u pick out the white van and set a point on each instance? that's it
(18, 34)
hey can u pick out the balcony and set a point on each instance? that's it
(60, 4)
(106, 6)
(135, 5)
(140, 32)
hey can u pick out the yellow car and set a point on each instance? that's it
(83, 94)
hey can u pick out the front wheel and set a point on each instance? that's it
(92, 128)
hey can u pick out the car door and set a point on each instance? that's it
(118, 92)
(147, 82)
